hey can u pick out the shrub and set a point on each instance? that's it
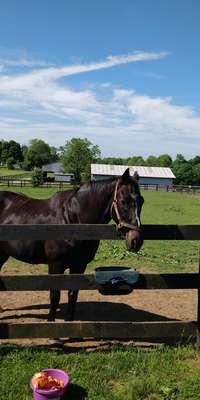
(36, 177)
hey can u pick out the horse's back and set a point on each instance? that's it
(17, 208)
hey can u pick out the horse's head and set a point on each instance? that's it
(126, 208)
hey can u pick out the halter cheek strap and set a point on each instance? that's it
(121, 224)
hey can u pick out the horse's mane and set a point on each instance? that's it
(97, 187)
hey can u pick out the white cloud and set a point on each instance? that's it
(122, 122)
(22, 62)
(42, 76)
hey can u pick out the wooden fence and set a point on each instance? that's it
(15, 182)
(27, 182)
(142, 331)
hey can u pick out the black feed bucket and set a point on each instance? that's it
(116, 280)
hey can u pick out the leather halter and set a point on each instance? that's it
(121, 224)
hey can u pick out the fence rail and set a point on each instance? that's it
(95, 232)
(27, 182)
(15, 182)
(88, 282)
(101, 330)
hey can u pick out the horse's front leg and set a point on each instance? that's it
(54, 294)
(73, 295)
(72, 300)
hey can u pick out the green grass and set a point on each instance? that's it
(122, 373)
(160, 256)
(6, 172)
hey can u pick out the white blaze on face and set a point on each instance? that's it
(136, 211)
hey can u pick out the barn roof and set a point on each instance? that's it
(145, 172)
(52, 167)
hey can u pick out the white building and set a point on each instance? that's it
(148, 175)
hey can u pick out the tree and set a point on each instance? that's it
(10, 163)
(164, 160)
(196, 174)
(136, 160)
(39, 153)
(152, 161)
(36, 177)
(10, 150)
(54, 153)
(4, 151)
(76, 157)
(184, 174)
(112, 161)
(15, 151)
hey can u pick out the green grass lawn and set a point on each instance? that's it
(6, 172)
(122, 373)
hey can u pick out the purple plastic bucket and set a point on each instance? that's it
(53, 394)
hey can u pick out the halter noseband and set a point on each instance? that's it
(121, 224)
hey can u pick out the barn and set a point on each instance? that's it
(56, 169)
(148, 175)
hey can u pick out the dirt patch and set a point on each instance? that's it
(141, 305)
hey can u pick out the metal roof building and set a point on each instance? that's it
(148, 175)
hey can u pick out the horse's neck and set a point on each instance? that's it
(95, 202)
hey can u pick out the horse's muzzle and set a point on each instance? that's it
(134, 240)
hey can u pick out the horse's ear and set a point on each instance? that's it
(126, 175)
(136, 176)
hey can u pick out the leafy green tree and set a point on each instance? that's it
(152, 161)
(136, 160)
(37, 177)
(9, 150)
(24, 151)
(164, 160)
(10, 163)
(196, 174)
(195, 160)
(4, 151)
(54, 153)
(0, 150)
(112, 160)
(76, 157)
(179, 159)
(184, 174)
(15, 151)
(39, 153)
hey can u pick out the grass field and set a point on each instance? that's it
(161, 256)
(6, 172)
(120, 372)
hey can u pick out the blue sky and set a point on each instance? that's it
(124, 74)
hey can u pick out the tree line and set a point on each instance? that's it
(77, 155)
(27, 157)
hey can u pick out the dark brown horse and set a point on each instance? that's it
(93, 203)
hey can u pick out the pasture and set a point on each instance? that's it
(117, 372)
(10, 172)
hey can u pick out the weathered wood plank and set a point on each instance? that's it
(95, 232)
(171, 232)
(58, 232)
(87, 282)
(100, 330)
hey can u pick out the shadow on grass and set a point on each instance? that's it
(75, 392)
